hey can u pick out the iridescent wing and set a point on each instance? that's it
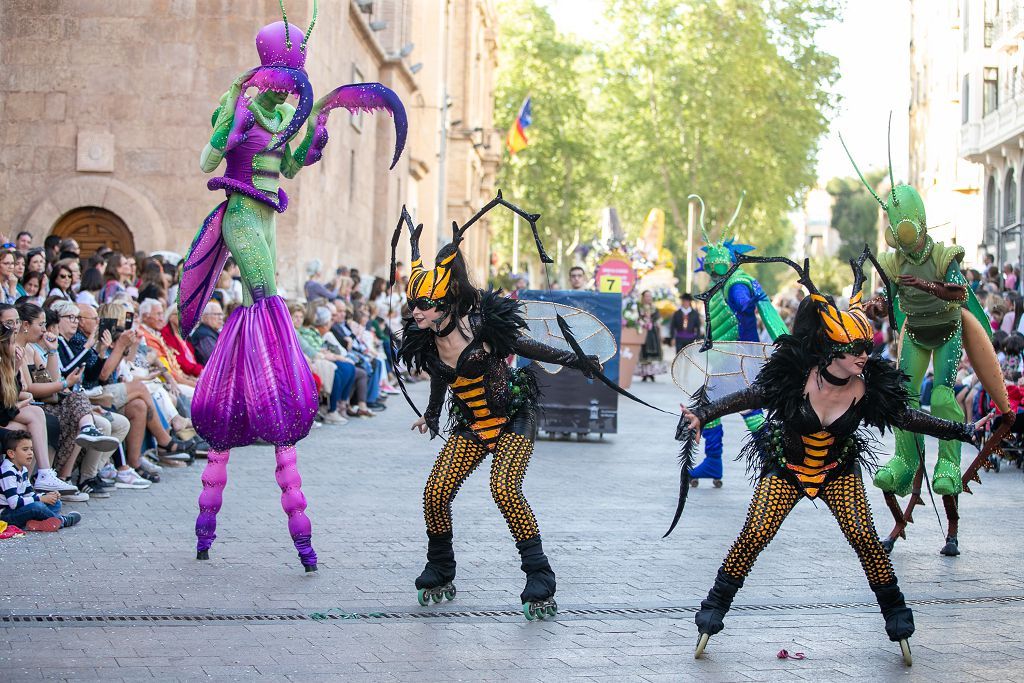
(592, 335)
(726, 367)
(357, 97)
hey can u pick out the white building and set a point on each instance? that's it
(949, 184)
(814, 235)
(992, 115)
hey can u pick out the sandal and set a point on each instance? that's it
(177, 447)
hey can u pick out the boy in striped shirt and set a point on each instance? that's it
(21, 505)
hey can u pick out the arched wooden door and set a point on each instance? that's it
(93, 227)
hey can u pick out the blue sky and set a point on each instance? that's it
(872, 43)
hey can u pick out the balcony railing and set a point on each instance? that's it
(997, 128)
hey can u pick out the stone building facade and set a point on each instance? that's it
(106, 105)
(992, 105)
(950, 185)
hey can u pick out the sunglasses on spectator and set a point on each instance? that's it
(424, 303)
(63, 274)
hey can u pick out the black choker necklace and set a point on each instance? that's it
(832, 379)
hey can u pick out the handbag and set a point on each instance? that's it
(41, 374)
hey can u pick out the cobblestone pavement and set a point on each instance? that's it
(627, 596)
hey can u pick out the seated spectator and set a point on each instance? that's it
(204, 338)
(24, 241)
(358, 350)
(19, 271)
(34, 285)
(51, 249)
(62, 279)
(69, 249)
(151, 313)
(17, 411)
(145, 403)
(22, 506)
(180, 348)
(117, 277)
(152, 284)
(313, 288)
(371, 348)
(8, 282)
(356, 378)
(89, 289)
(331, 379)
(41, 376)
(229, 285)
(36, 262)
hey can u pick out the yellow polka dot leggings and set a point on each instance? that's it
(774, 497)
(457, 460)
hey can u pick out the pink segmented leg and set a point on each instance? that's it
(215, 477)
(294, 504)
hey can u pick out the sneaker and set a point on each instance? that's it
(47, 480)
(129, 479)
(108, 474)
(389, 390)
(51, 524)
(90, 437)
(334, 419)
(94, 487)
(377, 406)
(77, 497)
(148, 467)
(315, 425)
(71, 519)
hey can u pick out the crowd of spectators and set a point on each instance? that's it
(97, 379)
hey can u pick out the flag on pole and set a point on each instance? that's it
(516, 141)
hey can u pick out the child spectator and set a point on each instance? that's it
(22, 506)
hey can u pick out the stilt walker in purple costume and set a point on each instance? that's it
(257, 384)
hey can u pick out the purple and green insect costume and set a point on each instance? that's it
(258, 386)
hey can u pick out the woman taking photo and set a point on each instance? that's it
(41, 376)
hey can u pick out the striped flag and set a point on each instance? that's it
(517, 141)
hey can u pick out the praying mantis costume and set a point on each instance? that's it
(732, 316)
(938, 317)
(258, 385)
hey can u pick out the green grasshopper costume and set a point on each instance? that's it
(937, 316)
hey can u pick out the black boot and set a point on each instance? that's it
(540, 579)
(440, 568)
(899, 620)
(710, 618)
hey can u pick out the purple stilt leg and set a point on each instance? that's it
(294, 504)
(215, 477)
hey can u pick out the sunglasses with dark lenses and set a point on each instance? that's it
(855, 348)
(424, 303)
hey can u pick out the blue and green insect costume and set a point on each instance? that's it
(733, 312)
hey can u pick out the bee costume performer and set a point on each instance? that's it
(795, 455)
(491, 409)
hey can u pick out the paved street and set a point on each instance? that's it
(627, 596)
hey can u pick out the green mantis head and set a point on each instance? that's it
(908, 226)
(719, 256)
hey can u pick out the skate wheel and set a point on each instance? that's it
(694, 483)
(437, 596)
(528, 611)
(717, 483)
(905, 648)
(450, 593)
(702, 642)
(551, 610)
(423, 597)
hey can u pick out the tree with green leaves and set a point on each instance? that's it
(558, 174)
(714, 98)
(854, 213)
